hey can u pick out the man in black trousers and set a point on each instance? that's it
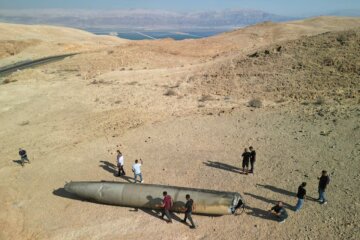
(245, 161)
(252, 159)
(324, 180)
(188, 210)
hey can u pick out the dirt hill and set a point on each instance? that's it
(325, 66)
(184, 108)
(23, 42)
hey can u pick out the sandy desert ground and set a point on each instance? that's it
(188, 109)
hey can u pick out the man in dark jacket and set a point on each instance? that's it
(23, 156)
(324, 180)
(301, 196)
(252, 159)
(279, 212)
(246, 159)
(188, 210)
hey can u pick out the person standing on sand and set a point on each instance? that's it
(252, 159)
(120, 163)
(246, 159)
(188, 210)
(279, 212)
(324, 180)
(23, 156)
(301, 196)
(167, 203)
(136, 168)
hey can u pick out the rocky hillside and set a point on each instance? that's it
(326, 66)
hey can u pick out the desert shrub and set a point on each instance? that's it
(97, 82)
(254, 55)
(347, 67)
(328, 61)
(6, 81)
(24, 123)
(255, 103)
(132, 83)
(205, 98)
(320, 100)
(345, 37)
(175, 86)
(281, 100)
(341, 39)
(170, 92)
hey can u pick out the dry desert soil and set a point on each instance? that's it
(188, 109)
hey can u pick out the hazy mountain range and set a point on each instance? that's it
(148, 19)
(139, 18)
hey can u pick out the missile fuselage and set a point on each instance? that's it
(150, 196)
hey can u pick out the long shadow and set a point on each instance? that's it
(285, 192)
(158, 213)
(61, 192)
(260, 213)
(286, 205)
(277, 190)
(17, 161)
(223, 166)
(112, 168)
(311, 198)
(126, 178)
(108, 166)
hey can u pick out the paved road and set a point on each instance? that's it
(22, 65)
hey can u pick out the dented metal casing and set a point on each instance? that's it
(150, 196)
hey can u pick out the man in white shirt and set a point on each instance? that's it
(136, 168)
(120, 163)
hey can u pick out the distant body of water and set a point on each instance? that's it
(148, 35)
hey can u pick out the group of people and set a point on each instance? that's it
(167, 202)
(136, 167)
(280, 211)
(248, 157)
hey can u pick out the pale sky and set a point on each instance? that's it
(282, 7)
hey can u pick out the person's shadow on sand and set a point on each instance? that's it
(223, 166)
(283, 191)
(17, 161)
(61, 192)
(274, 202)
(108, 166)
(112, 168)
(277, 190)
(260, 213)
